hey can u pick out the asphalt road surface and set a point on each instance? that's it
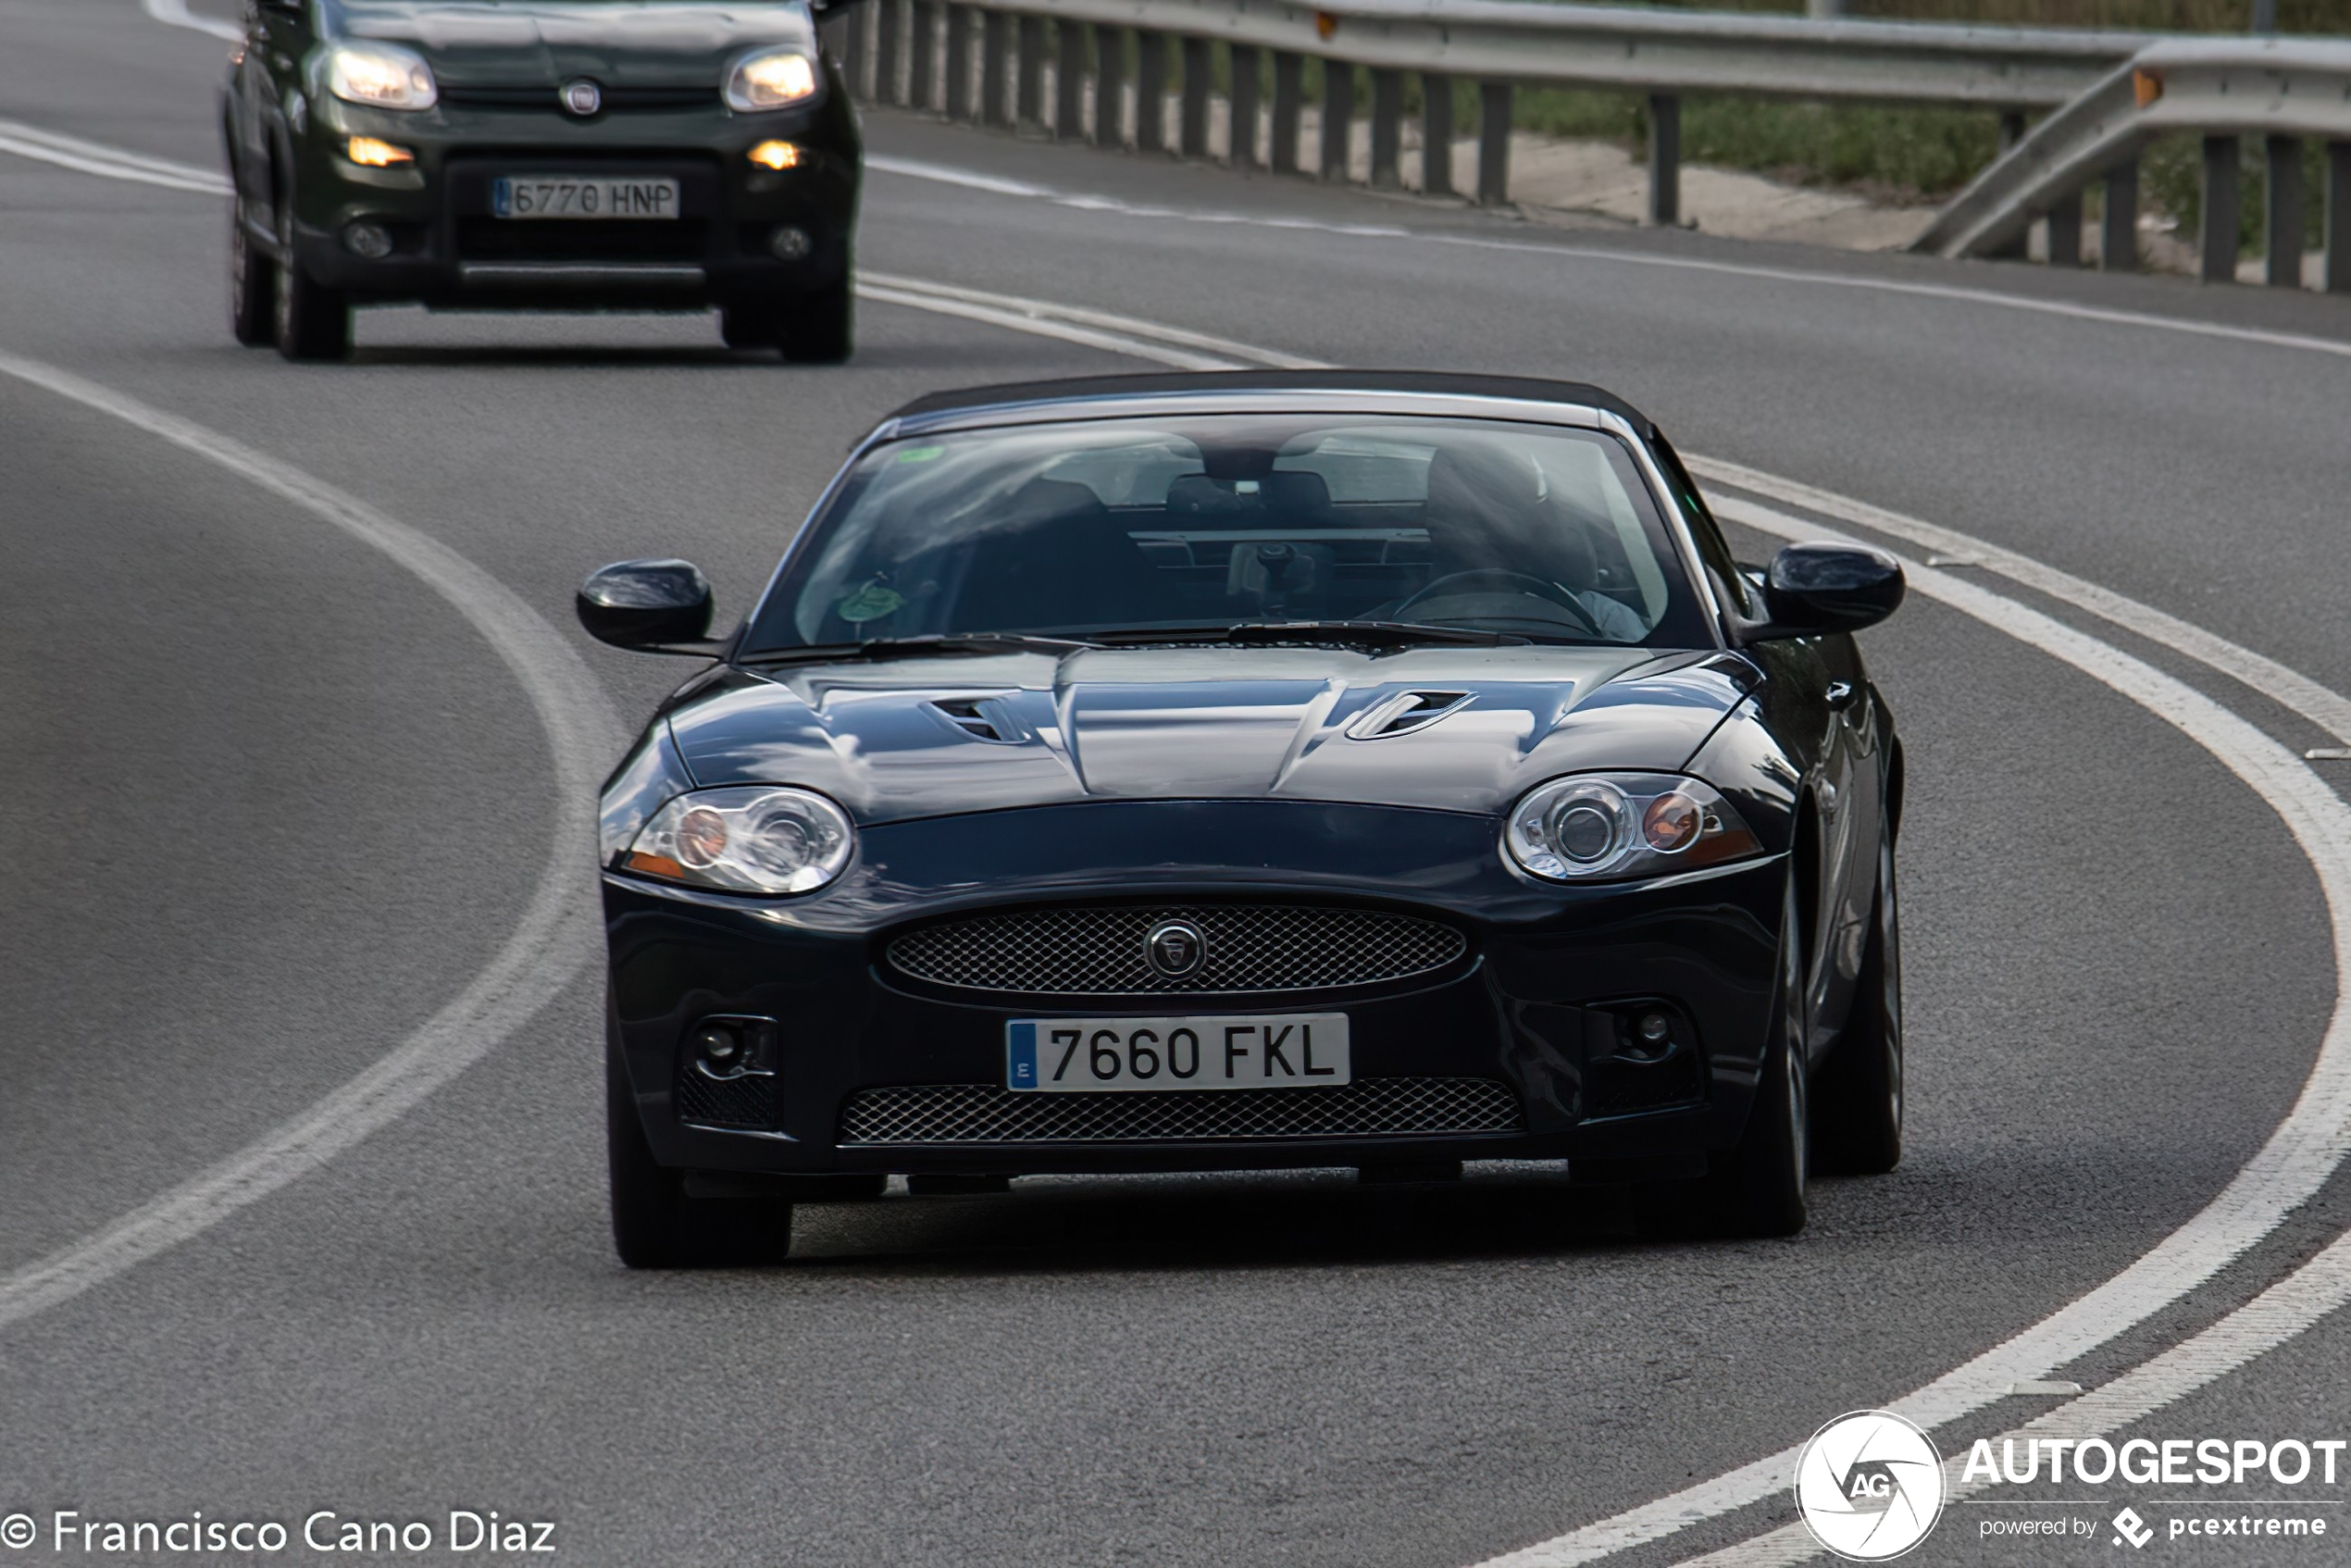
(275, 800)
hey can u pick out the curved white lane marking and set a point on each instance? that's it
(107, 163)
(2300, 1155)
(557, 937)
(175, 13)
(1131, 333)
(946, 174)
(2292, 1304)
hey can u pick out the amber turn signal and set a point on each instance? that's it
(369, 153)
(775, 156)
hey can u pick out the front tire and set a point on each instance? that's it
(820, 328)
(655, 1224)
(1859, 1126)
(253, 283)
(312, 322)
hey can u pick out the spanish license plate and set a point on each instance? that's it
(1098, 1055)
(581, 195)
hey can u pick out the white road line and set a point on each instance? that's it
(946, 174)
(2330, 711)
(1229, 354)
(2300, 1155)
(108, 163)
(1043, 326)
(557, 937)
(175, 14)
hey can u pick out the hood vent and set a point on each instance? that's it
(1406, 712)
(982, 718)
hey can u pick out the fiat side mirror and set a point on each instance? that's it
(649, 608)
(1814, 590)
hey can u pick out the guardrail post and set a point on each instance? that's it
(853, 51)
(1437, 134)
(1493, 143)
(1029, 98)
(2065, 232)
(2218, 250)
(1151, 91)
(1289, 102)
(1665, 160)
(922, 54)
(995, 42)
(2119, 228)
(1069, 81)
(1110, 86)
(1241, 127)
(2338, 218)
(2282, 212)
(889, 22)
(961, 20)
(1192, 127)
(1388, 129)
(1338, 118)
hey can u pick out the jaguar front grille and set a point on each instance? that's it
(1241, 948)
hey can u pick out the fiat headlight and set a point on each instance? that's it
(766, 839)
(1621, 825)
(773, 79)
(382, 76)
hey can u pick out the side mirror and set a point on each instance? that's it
(649, 608)
(1814, 590)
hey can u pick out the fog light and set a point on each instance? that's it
(719, 1050)
(372, 241)
(1656, 1028)
(775, 156)
(791, 243)
(370, 153)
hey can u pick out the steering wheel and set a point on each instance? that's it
(1518, 584)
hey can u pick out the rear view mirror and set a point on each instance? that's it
(1814, 589)
(649, 608)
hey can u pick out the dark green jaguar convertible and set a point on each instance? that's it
(541, 155)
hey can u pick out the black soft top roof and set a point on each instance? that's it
(1427, 384)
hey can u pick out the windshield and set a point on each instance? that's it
(1131, 526)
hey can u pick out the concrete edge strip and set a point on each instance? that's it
(2295, 1162)
(175, 13)
(548, 949)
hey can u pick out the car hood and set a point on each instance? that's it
(910, 738)
(549, 42)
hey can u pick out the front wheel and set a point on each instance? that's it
(312, 321)
(819, 328)
(1859, 1126)
(253, 283)
(655, 1224)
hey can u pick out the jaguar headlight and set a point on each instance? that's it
(1610, 826)
(766, 839)
(772, 78)
(382, 76)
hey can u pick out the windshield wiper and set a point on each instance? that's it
(925, 646)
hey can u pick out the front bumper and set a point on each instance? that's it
(449, 252)
(1534, 1005)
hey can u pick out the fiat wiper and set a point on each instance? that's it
(925, 646)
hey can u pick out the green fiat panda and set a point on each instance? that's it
(541, 155)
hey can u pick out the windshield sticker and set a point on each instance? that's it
(920, 454)
(869, 601)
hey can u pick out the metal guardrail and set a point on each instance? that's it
(2282, 90)
(990, 64)
(1161, 75)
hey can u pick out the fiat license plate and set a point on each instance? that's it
(1098, 1055)
(581, 195)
